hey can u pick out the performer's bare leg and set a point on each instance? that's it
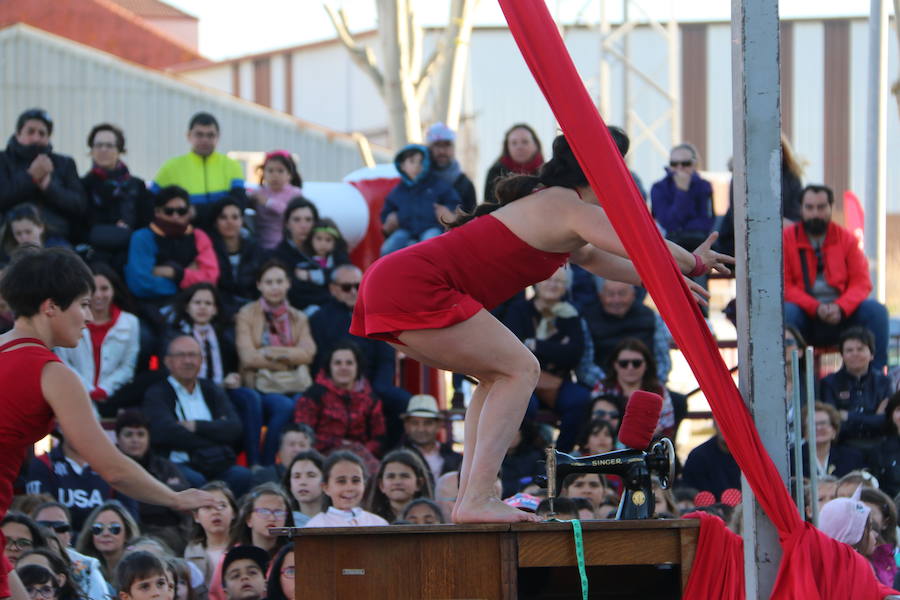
(483, 348)
(473, 416)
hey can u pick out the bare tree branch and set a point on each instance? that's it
(430, 68)
(361, 55)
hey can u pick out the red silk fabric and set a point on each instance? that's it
(718, 569)
(807, 552)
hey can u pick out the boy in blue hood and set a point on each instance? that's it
(413, 211)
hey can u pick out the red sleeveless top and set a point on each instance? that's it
(25, 416)
(447, 279)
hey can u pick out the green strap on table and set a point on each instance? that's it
(579, 554)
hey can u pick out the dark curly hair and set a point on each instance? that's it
(562, 170)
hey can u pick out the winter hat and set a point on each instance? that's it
(844, 519)
(439, 133)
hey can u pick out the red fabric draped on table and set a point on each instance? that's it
(806, 551)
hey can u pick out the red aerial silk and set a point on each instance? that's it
(718, 569)
(806, 551)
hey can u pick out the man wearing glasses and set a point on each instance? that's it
(330, 324)
(826, 278)
(193, 422)
(206, 174)
(31, 172)
(682, 200)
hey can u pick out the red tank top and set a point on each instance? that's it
(25, 416)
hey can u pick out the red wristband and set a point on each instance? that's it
(699, 267)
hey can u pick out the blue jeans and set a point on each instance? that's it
(236, 476)
(402, 238)
(276, 410)
(571, 406)
(869, 314)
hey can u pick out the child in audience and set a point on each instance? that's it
(850, 521)
(423, 511)
(52, 560)
(402, 477)
(279, 183)
(326, 247)
(39, 582)
(280, 585)
(263, 507)
(564, 509)
(344, 484)
(142, 576)
(665, 506)
(597, 437)
(421, 202)
(303, 482)
(212, 525)
(585, 509)
(585, 485)
(23, 226)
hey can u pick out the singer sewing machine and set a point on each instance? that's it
(634, 467)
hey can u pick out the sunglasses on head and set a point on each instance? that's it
(347, 287)
(57, 526)
(99, 528)
(169, 211)
(680, 163)
(634, 363)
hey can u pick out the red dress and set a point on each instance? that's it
(447, 279)
(25, 418)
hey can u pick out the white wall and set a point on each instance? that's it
(809, 99)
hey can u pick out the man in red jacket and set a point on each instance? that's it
(826, 278)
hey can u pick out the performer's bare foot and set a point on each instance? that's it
(492, 510)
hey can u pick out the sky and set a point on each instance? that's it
(231, 28)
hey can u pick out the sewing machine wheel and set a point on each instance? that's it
(666, 480)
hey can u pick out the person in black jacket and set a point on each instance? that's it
(551, 328)
(858, 390)
(118, 202)
(193, 422)
(421, 423)
(133, 439)
(885, 459)
(239, 257)
(299, 218)
(330, 325)
(441, 143)
(31, 172)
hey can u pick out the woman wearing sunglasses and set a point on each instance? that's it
(682, 200)
(105, 533)
(632, 368)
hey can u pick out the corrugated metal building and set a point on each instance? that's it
(80, 87)
(823, 69)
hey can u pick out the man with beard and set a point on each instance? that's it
(826, 278)
(31, 172)
(442, 146)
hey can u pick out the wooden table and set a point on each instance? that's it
(526, 560)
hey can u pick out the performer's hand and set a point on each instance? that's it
(714, 261)
(192, 498)
(700, 293)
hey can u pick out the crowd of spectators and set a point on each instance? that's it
(219, 352)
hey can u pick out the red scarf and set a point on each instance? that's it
(169, 229)
(98, 334)
(526, 168)
(279, 323)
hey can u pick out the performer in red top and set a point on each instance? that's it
(431, 302)
(49, 291)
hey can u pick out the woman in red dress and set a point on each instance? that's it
(431, 302)
(49, 291)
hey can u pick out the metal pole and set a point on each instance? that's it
(797, 423)
(758, 248)
(626, 75)
(876, 147)
(811, 435)
(674, 67)
(604, 103)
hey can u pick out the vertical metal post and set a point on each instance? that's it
(604, 104)
(797, 423)
(626, 76)
(876, 147)
(674, 67)
(758, 247)
(811, 435)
